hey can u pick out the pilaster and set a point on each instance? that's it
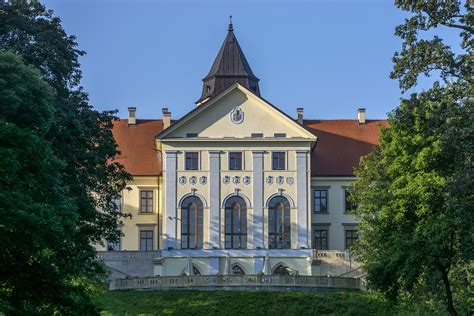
(169, 218)
(258, 237)
(214, 200)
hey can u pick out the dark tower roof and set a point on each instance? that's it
(230, 66)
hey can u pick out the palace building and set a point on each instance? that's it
(238, 181)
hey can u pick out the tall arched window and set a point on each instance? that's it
(235, 223)
(279, 225)
(191, 223)
(282, 269)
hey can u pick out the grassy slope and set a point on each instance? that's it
(244, 303)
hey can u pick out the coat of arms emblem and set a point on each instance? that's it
(236, 115)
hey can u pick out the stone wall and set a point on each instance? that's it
(126, 264)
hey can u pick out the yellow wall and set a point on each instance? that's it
(336, 215)
(131, 204)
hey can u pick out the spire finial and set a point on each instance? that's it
(231, 27)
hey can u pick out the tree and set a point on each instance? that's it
(79, 136)
(414, 210)
(37, 215)
(421, 55)
(415, 192)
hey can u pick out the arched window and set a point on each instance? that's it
(237, 270)
(281, 269)
(196, 271)
(191, 223)
(235, 223)
(279, 225)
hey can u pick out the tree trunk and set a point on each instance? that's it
(449, 294)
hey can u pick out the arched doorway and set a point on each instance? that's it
(279, 223)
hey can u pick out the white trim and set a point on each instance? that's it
(203, 200)
(290, 200)
(234, 139)
(243, 196)
(238, 253)
(250, 95)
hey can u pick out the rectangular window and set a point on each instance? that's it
(351, 238)
(146, 201)
(235, 161)
(146, 240)
(349, 206)
(191, 135)
(192, 161)
(320, 201)
(256, 135)
(113, 246)
(321, 239)
(279, 135)
(278, 160)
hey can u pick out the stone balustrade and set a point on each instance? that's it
(239, 282)
(127, 255)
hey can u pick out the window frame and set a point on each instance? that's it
(141, 210)
(326, 211)
(326, 238)
(198, 164)
(242, 229)
(198, 224)
(239, 267)
(353, 240)
(273, 213)
(241, 160)
(152, 239)
(113, 245)
(347, 203)
(285, 159)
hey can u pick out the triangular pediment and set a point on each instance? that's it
(219, 118)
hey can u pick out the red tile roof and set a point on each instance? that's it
(341, 144)
(137, 146)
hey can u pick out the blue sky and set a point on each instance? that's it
(329, 57)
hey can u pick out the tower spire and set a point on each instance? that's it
(229, 67)
(231, 26)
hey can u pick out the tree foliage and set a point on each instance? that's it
(415, 197)
(422, 54)
(415, 193)
(75, 136)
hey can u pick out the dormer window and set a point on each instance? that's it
(208, 89)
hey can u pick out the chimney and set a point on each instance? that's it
(299, 114)
(166, 118)
(361, 115)
(132, 119)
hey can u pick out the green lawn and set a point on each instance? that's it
(245, 303)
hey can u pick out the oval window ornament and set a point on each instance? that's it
(236, 115)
